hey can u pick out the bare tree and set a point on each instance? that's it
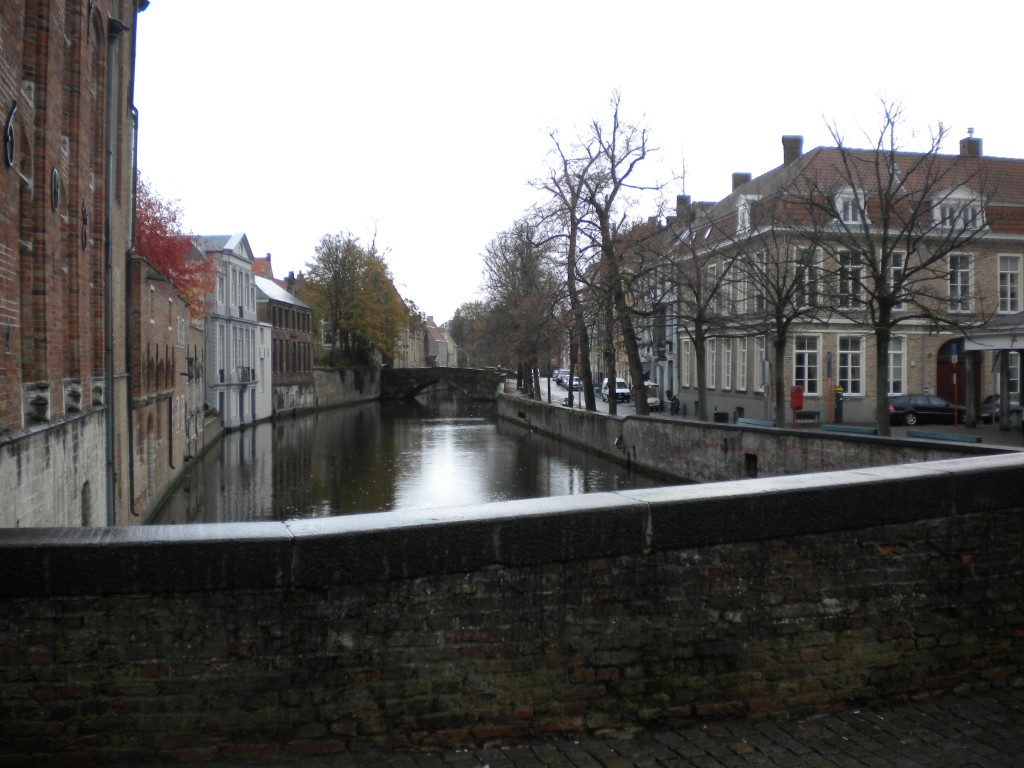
(615, 152)
(523, 290)
(889, 224)
(565, 184)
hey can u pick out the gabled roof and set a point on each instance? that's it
(271, 291)
(237, 243)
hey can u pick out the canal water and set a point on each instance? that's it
(423, 454)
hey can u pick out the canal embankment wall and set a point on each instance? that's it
(704, 452)
(328, 388)
(603, 613)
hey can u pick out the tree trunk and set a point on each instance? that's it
(882, 336)
(779, 378)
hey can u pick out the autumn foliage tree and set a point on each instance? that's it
(162, 240)
(351, 288)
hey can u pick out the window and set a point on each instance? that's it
(806, 277)
(959, 282)
(806, 364)
(741, 363)
(896, 365)
(220, 288)
(761, 370)
(760, 279)
(711, 288)
(961, 216)
(850, 208)
(727, 363)
(711, 363)
(684, 363)
(1014, 361)
(851, 279)
(897, 263)
(743, 218)
(850, 365)
(1009, 283)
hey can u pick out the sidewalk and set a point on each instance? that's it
(952, 732)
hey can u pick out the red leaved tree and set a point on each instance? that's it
(161, 239)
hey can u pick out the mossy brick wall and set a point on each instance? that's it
(603, 613)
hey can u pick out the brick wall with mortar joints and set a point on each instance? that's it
(783, 627)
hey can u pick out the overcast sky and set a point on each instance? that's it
(422, 123)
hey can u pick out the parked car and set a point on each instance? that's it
(923, 409)
(991, 407)
(575, 383)
(561, 376)
(620, 391)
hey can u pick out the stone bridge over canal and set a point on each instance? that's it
(406, 383)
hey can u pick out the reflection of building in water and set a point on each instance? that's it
(293, 481)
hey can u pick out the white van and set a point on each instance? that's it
(620, 391)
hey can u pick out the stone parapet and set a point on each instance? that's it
(604, 613)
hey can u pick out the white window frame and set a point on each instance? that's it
(684, 363)
(808, 275)
(850, 370)
(1014, 377)
(760, 352)
(727, 363)
(960, 282)
(851, 207)
(896, 269)
(1009, 282)
(712, 289)
(711, 361)
(808, 360)
(742, 348)
(897, 365)
(851, 279)
(758, 288)
(961, 215)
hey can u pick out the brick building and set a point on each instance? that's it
(159, 378)
(291, 323)
(68, 169)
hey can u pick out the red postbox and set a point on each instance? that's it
(796, 398)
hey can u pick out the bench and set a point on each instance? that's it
(943, 436)
(806, 417)
(755, 422)
(849, 430)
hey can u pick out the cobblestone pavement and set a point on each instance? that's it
(952, 732)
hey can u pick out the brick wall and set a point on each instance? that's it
(610, 612)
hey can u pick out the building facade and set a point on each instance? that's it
(235, 340)
(68, 169)
(159, 380)
(291, 359)
(792, 242)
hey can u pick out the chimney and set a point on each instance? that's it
(792, 148)
(683, 208)
(739, 179)
(970, 146)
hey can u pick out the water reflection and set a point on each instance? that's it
(375, 457)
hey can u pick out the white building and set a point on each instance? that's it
(235, 340)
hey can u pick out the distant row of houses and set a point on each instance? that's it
(107, 385)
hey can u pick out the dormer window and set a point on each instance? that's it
(850, 207)
(960, 210)
(961, 216)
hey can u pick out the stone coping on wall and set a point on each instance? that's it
(323, 553)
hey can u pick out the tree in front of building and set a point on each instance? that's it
(891, 228)
(351, 288)
(161, 239)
